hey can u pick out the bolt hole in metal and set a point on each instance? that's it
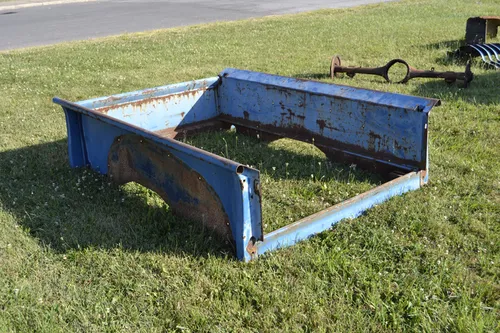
(251, 248)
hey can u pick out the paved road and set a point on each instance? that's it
(49, 24)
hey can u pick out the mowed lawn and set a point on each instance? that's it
(78, 253)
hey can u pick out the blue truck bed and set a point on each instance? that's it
(133, 137)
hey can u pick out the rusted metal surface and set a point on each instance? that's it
(151, 93)
(160, 108)
(252, 248)
(143, 105)
(134, 137)
(91, 135)
(182, 132)
(465, 77)
(334, 150)
(167, 111)
(479, 29)
(325, 219)
(133, 158)
(477, 32)
(370, 124)
(127, 127)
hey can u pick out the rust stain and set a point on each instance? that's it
(379, 189)
(338, 150)
(490, 17)
(322, 124)
(111, 99)
(325, 124)
(149, 91)
(181, 132)
(145, 103)
(374, 140)
(251, 247)
(374, 135)
(399, 147)
(133, 158)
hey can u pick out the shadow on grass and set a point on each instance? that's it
(323, 76)
(78, 208)
(448, 44)
(455, 57)
(312, 76)
(483, 90)
(278, 157)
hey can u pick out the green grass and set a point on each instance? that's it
(78, 253)
(297, 179)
